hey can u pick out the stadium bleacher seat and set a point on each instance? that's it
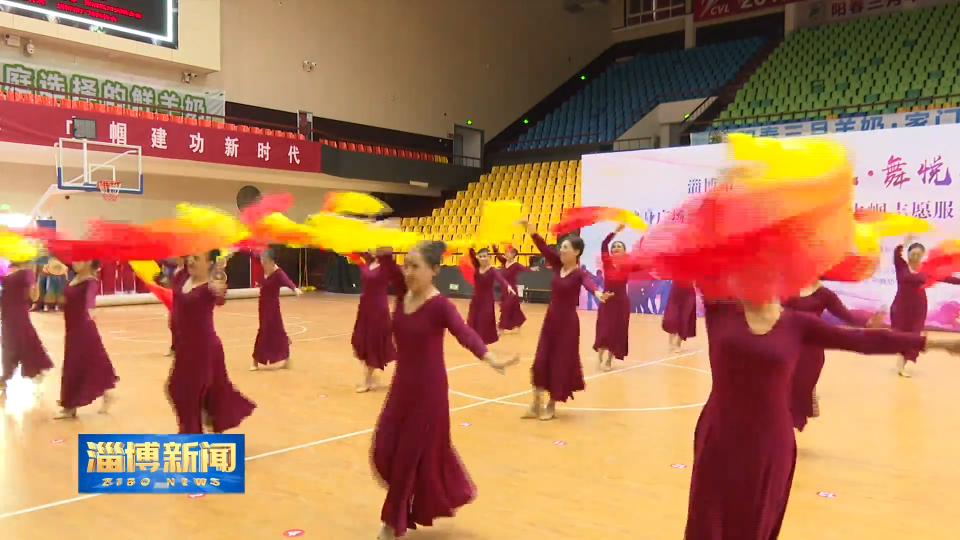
(545, 189)
(853, 68)
(626, 92)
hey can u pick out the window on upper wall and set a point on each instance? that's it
(646, 11)
(146, 21)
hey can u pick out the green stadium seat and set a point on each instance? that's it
(852, 68)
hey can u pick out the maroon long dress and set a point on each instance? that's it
(613, 316)
(482, 315)
(87, 371)
(412, 452)
(908, 311)
(198, 381)
(511, 315)
(18, 337)
(180, 277)
(556, 365)
(811, 360)
(272, 344)
(680, 315)
(745, 450)
(371, 340)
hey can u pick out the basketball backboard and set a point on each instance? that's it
(113, 169)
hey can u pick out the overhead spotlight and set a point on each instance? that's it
(188, 77)
(308, 66)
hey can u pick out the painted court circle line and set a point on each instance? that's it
(341, 437)
(633, 365)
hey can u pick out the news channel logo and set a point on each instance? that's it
(137, 463)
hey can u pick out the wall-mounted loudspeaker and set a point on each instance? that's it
(246, 196)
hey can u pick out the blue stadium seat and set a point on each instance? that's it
(624, 93)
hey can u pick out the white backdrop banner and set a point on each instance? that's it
(910, 171)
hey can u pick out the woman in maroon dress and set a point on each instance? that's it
(18, 338)
(556, 365)
(745, 450)
(412, 452)
(199, 387)
(511, 315)
(680, 314)
(613, 316)
(481, 316)
(87, 371)
(908, 311)
(815, 300)
(177, 277)
(272, 344)
(371, 340)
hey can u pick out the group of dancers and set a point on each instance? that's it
(765, 357)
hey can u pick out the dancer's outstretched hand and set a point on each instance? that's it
(604, 296)
(500, 367)
(876, 320)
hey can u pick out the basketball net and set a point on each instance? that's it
(110, 189)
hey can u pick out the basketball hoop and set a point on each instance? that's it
(110, 189)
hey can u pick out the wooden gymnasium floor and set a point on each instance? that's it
(614, 465)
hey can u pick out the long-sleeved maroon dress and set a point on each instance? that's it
(556, 365)
(613, 316)
(371, 339)
(87, 371)
(176, 282)
(482, 315)
(412, 453)
(18, 338)
(198, 381)
(680, 314)
(810, 365)
(272, 344)
(908, 311)
(511, 315)
(745, 450)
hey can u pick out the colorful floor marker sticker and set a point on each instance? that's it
(560, 443)
(196, 495)
(827, 495)
(56, 441)
(293, 533)
(465, 424)
(322, 396)
(679, 466)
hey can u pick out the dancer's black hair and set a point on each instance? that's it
(575, 242)
(432, 252)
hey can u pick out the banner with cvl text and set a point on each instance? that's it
(911, 171)
(708, 10)
(113, 89)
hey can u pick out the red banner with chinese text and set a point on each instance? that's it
(45, 125)
(708, 10)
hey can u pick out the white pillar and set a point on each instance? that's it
(689, 32)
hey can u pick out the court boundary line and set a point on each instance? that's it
(635, 363)
(344, 436)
